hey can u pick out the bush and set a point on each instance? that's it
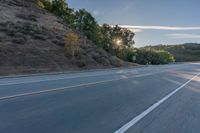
(40, 3)
(45, 4)
(127, 54)
(72, 44)
(154, 57)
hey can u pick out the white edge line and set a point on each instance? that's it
(80, 85)
(151, 108)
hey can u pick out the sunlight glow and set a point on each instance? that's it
(118, 42)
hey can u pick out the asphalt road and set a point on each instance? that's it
(155, 99)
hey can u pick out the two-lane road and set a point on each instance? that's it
(157, 99)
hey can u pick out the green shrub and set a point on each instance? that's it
(154, 57)
(72, 44)
(127, 54)
(45, 4)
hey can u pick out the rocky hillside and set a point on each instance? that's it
(31, 40)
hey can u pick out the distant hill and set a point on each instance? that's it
(183, 52)
(32, 40)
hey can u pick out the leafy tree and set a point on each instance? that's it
(86, 24)
(125, 34)
(61, 9)
(106, 39)
(116, 40)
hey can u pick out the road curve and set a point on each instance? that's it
(151, 99)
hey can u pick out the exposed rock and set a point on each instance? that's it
(59, 42)
(19, 38)
(19, 3)
(3, 27)
(1, 38)
(40, 37)
(29, 17)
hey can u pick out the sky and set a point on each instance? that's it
(153, 21)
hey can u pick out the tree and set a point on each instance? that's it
(117, 40)
(59, 8)
(106, 39)
(125, 34)
(72, 44)
(86, 24)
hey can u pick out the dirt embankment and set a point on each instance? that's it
(31, 40)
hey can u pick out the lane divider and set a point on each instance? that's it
(75, 86)
(135, 120)
(63, 78)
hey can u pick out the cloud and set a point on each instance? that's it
(130, 28)
(135, 30)
(96, 13)
(171, 28)
(184, 36)
(160, 27)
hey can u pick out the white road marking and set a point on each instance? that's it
(73, 77)
(62, 78)
(127, 71)
(49, 79)
(135, 120)
(120, 71)
(80, 85)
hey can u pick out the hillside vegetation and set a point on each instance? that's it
(115, 40)
(153, 56)
(34, 39)
(182, 52)
(47, 35)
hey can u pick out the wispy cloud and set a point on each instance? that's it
(135, 30)
(96, 13)
(184, 36)
(141, 28)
